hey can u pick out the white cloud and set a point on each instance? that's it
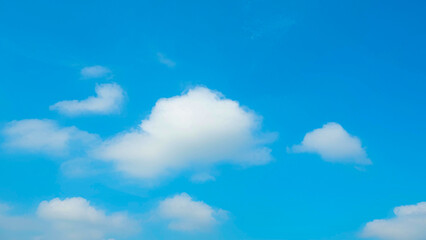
(81, 167)
(334, 144)
(108, 99)
(409, 223)
(185, 214)
(44, 136)
(70, 209)
(68, 219)
(166, 61)
(196, 129)
(95, 72)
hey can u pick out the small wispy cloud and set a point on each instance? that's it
(202, 177)
(44, 136)
(108, 99)
(95, 72)
(166, 61)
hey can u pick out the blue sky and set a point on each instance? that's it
(261, 120)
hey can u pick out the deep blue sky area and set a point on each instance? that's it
(296, 64)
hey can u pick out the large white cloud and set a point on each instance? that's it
(409, 223)
(185, 214)
(44, 136)
(95, 72)
(109, 99)
(68, 219)
(194, 130)
(333, 144)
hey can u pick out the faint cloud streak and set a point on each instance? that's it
(166, 61)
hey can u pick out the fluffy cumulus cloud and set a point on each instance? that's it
(109, 98)
(333, 144)
(44, 136)
(95, 72)
(194, 130)
(68, 219)
(185, 214)
(409, 223)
